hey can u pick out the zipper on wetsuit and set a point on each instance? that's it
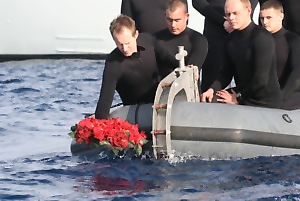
(140, 59)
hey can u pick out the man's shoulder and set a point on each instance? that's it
(290, 35)
(145, 39)
(144, 36)
(114, 56)
(193, 31)
(195, 34)
(256, 34)
(260, 31)
(162, 34)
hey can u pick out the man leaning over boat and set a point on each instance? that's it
(131, 68)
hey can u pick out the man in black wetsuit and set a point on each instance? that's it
(250, 58)
(148, 15)
(287, 46)
(291, 14)
(178, 34)
(215, 30)
(131, 68)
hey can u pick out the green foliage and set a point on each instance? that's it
(104, 142)
(72, 134)
(143, 141)
(116, 152)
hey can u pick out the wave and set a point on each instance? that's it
(24, 89)
(10, 81)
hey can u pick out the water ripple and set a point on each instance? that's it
(44, 107)
(10, 81)
(15, 197)
(24, 89)
(36, 163)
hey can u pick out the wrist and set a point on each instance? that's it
(211, 90)
(239, 98)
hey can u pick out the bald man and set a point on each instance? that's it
(215, 30)
(249, 58)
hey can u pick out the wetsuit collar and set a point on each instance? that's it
(246, 31)
(137, 54)
(281, 32)
(182, 33)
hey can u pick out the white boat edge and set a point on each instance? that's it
(53, 29)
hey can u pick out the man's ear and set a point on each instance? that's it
(282, 15)
(136, 34)
(249, 9)
(187, 15)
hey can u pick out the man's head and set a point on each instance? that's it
(124, 33)
(177, 16)
(271, 15)
(238, 13)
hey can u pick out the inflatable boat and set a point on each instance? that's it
(177, 123)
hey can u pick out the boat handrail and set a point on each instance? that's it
(179, 85)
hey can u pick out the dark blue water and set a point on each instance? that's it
(41, 99)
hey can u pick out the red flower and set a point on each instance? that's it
(120, 140)
(114, 132)
(100, 133)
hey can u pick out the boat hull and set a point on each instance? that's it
(221, 131)
(62, 28)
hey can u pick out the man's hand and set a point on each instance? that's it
(207, 96)
(226, 97)
(227, 26)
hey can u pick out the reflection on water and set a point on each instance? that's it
(41, 99)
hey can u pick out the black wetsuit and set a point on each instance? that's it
(149, 15)
(288, 67)
(135, 78)
(213, 11)
(250, 58)
(194, 43)
(291, 19)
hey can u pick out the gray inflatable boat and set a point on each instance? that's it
(177, 123)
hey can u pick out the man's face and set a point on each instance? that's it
(271, 19)
(177, 20)
(125, 41)
(237, 14)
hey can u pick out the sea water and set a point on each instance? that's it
(41, 99)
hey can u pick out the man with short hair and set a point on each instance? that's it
(291, 14)
(148, 14)
(178, 34)
(131, 68)
(287, 45)
(249, 57)
(216, 28)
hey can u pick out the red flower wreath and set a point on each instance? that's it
(114, 133)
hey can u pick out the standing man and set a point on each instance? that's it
(178, 34)
(216, 28)
(250, 58)
(148, 15)
(131, 68)
(291, 14)
(287, 46)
